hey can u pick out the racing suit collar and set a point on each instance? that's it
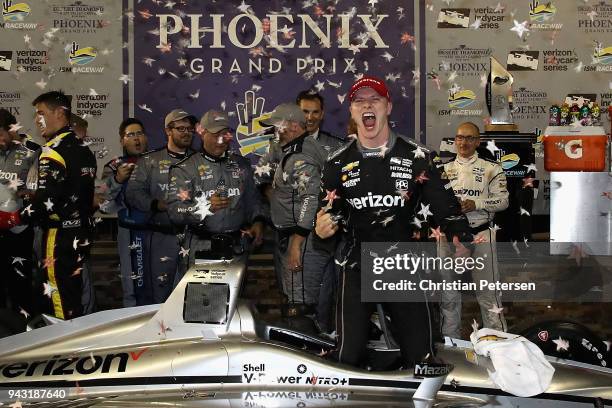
(369, 151)
(212, 158)
(59, 135)
(176, 155)
(469, 160)
(293, 145)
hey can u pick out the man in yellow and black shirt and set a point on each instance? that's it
(62, 205)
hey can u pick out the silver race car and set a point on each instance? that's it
(205, 347)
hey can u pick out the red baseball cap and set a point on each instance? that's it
(370, 82)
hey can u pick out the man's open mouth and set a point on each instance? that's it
(369, 120)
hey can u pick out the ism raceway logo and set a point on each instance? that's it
(541, 16)
(14, 12)
(602, 55)
(81, 56)
(458, 100)
(13, 15)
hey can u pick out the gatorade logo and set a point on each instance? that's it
(573, 149)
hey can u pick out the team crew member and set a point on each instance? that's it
(16, 159)
(319, 266)
(146, 191)
(375, 183)
(219, 179)
(294, 196)
(480, 185)
(114, 179)
(62, 204)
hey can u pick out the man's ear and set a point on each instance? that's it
(389, 108)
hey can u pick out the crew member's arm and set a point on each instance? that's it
(306, 175)
(265, 168)
(254, 206)
(181, 197)
(498, 192)
(138, 190)
(50, 190)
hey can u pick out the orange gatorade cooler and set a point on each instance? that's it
(568, 148)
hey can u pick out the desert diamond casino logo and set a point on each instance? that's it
(464, 61)
(541, 15)
(11, 101)
(6, 60)
(79, 18)
(596, 17)
(530, 104)
(454, 18)
(523, 60)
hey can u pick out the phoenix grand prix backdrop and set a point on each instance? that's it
(247, 57)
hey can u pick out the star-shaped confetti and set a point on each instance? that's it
(417, 222)
(184, 252)
(492, 147)
(49, 261)
(520, 28)
(202, 207)
(263, 170)
(421, 178)
(562, 345)
(48, 204)
(331, 196)
(49, 289)
(436, 233)
(418, 153)
(17, 259)
(424, 212)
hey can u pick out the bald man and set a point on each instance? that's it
(480, 186)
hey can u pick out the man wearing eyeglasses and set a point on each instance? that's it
(480, 186)
(112, 196)
(213, 193)
(375, 183)
(147, 191)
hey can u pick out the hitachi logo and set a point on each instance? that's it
(376, 200)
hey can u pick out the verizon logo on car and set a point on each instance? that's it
(376, 200)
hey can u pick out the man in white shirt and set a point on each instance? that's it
(480, 186)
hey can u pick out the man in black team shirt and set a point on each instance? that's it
(361, 180)
(62, 204)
